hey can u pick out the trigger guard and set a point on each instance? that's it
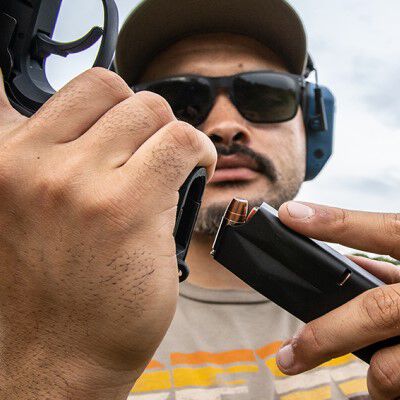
(110, 35)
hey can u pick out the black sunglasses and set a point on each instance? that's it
(260, 97)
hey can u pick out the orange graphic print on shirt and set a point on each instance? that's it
(229, 375)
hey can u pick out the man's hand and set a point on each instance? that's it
(367, 319)
(88, 195)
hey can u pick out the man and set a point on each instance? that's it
(224, 337)
(89, 188)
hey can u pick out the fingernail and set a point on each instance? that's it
(285, 357)
(299, 211)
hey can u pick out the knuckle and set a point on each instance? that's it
(391, 233)
(52, 187)
(185, 136)
(384, 372)
(12, 161)
(157, 106)
(341, 220)
(59, 185)
(6, 172)
(5, 177)
(110, 208)
(310, 336)
(94, 206)
(391, 225)
(382, 308)
(112, 83)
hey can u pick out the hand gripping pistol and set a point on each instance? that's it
(26, 30)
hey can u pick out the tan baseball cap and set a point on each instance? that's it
(155, 24)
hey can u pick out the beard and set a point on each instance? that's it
(281, 190)
(209, 218)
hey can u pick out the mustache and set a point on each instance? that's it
(264, 165)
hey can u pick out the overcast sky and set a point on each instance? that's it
(355, 45)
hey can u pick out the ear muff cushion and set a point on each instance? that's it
(319, 143)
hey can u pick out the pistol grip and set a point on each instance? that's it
(190, 196)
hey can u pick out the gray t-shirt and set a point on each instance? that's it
(222, 345)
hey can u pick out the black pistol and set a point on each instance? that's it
(26, 30)
(304, 276)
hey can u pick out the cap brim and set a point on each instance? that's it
(155, 24)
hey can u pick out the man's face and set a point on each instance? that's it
(258, 162)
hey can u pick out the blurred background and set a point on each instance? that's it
(355, 47)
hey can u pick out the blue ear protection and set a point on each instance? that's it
(318, 107)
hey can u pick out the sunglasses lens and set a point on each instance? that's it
(266, 97)
(189, 98)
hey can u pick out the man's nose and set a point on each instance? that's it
(225, 125)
